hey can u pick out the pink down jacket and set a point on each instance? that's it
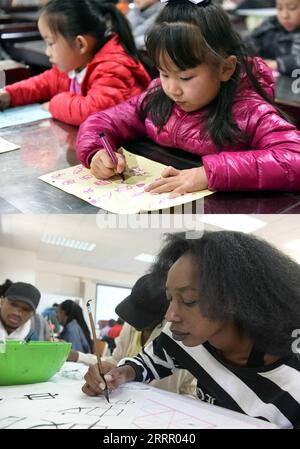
(269, 161)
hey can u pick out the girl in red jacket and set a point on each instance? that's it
(211, 100)
(95, 62)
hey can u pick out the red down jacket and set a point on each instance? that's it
(111, 77)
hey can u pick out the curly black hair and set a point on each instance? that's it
(244, 279)
(5, 286)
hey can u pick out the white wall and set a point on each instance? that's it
(18, 266)
(75, 281)
(60, 280)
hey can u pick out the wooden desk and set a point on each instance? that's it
(286, 91)
(31, 16)
(48, 145)
(14, 71)
(45, 146)
(259, 12)
(288, 97)
(254, 17)
(31, 52)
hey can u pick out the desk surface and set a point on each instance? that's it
(287, 91)
(259, 12)
(31, 52)
(25, 15)
(60, 404)
(48, 145)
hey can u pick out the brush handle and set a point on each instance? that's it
(108, 148)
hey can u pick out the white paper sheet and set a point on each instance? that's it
(116, 196)
(23, 114)
(60, 403)
(7, 146)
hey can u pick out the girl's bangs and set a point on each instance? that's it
(180, 43)
(57, 23)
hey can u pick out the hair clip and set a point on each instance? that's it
(196, 2)
(108, 33)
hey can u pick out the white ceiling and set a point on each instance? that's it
(115, 248)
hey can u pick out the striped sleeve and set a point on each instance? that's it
(153, 362)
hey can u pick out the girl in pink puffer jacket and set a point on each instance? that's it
(211, 100)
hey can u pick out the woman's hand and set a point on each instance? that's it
(103, 167)
(4, 99)
(117, 376)
(179, 182)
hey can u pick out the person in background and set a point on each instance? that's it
(112, 333)
(143, 312)
(18, 305)
(104, 331)
(94, 58)
(233, 321)
(5, 286)
(211, 100)
(51, 316)
(75, 329)
(41, 327)
(277, 39)
(115, 330)
(141, 17)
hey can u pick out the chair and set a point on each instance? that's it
(14, 71)
(11, 33)
(101, 347)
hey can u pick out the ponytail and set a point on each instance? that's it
(74, 312)
(93, 17)
(117, 23)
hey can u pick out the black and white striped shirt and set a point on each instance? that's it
(269, 392)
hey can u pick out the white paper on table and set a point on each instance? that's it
(133, 406)
(117, 196)
(23, 114)
(7, 146)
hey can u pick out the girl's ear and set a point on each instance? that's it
(82, 44)
(228, 67)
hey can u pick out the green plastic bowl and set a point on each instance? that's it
(28, 363)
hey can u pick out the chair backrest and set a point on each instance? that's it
(14, 71)
(101, 346)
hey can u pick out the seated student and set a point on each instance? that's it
(277, 39)
(211, 100)
(41, 327)
(233, 305)
(143, 312)
(18, 305)
(75, 329)
(113, 333)
(95, 63)
(115, 330)
(50, 314)
(141, 17)
(104, 330)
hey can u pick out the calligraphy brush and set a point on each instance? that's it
(110, 152)
(96, 350)
(51, 329)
